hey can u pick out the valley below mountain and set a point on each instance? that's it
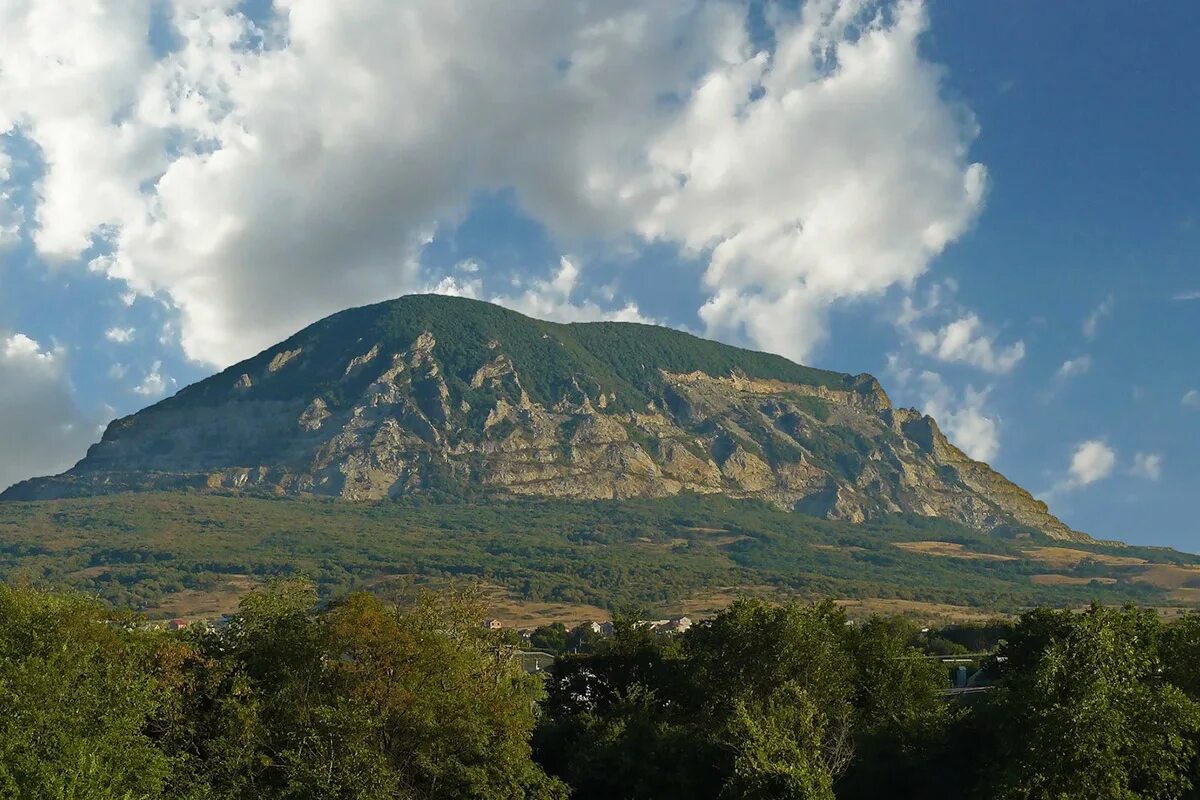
(537, 560)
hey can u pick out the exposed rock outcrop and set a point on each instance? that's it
(443, 395)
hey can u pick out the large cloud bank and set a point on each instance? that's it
(41, 429)
(259, 174)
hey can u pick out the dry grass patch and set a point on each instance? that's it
(1170, 576)
(512, 611)
(709, 602)
(840, 548)
(516, 613)
(950, 550)
(198, 604)
(666, 544)
(1068, 557)
(1053, 579)
(916, 609)
(719, 537)
(1188, 595)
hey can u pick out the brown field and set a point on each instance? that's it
(513, 612)
(839, 548)
(1054, 579)
(196, 604)
(526, 614)
(707, 603)
(950, 550)
(915, 609)
(516, 613)
(1170, 576)
(1067, 557)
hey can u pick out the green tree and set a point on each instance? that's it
(361, 701)
(777, 746)
(901, 717)
(740, 658)
(760, 701)
(1083, 710)
(76, 695)
(1180, 652)
(552, 638)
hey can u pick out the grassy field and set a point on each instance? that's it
(194, 555)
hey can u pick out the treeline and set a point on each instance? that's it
(792, 702)
(360, 699)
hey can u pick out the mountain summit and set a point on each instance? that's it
(440, 395)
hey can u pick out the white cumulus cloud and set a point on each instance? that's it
(120, 335)
(963, 418)
(964, 341)
(1091, 461)
(261, 176)
(11, 216)
(1191, 398)
(154, 384)
(552, 298)
(1147, 465)
(42, 430)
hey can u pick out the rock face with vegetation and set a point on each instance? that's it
(448, 396)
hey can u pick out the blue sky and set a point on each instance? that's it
(992, 207)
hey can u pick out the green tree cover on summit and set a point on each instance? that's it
(618, 358)
(360, 699)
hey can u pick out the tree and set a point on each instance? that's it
(75, 699)
(901, 717)
(1083, 710)
(454, 708)
(740, 658)
(551, 638)
(362, 700)
(613, 723)
(778, 745)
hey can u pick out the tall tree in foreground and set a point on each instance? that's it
(761, 701)
(362, 701)
(1084, 710)
(76, 693)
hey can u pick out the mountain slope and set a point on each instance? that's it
(430, 394)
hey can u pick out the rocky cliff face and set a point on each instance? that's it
(429, 394)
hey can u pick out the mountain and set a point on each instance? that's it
(453, 397)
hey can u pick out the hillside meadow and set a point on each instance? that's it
(194, 555)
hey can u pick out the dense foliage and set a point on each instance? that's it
(152, 551)
(622, 359)
(793, 702)
(359, 699)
